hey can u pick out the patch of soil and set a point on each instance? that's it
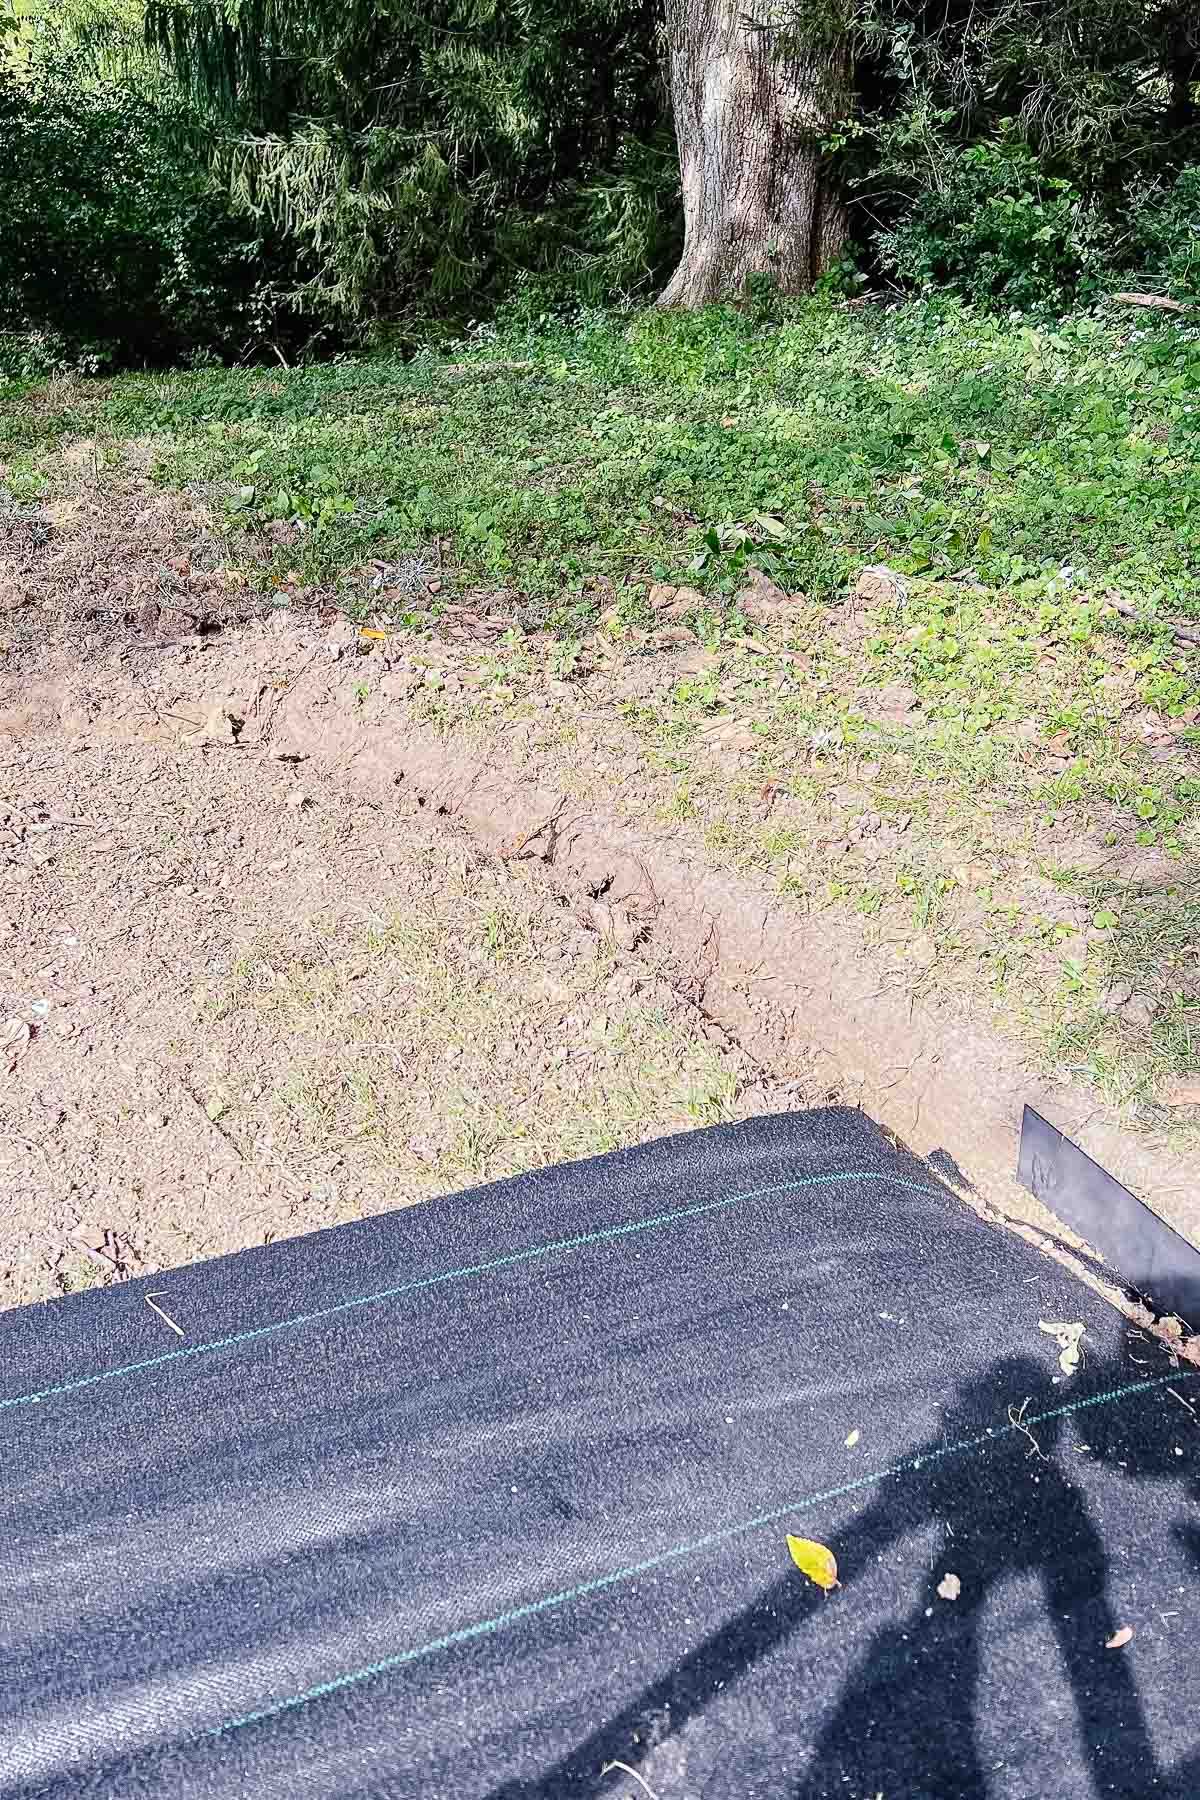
(279, 748)
(112, 562)
(238, 1001)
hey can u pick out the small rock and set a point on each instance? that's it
(623, 985)
(219, 726)
(763, 600)
(731, 734)
(897, 704)
(297, 800)
(695, 662)
(616, 923)
(1120, 1000)
(970, 874)
(342, 637)
(878, 585)
(949, 1587)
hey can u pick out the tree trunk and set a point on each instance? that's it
(749, 107)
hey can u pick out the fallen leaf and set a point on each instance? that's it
(949, 1587)
(814, 1560)
(369, 631)
(1068, 1338)
(1119, 1639)
(852, 1439)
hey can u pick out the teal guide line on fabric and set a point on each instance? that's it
(421, 1282)
(550, 1602)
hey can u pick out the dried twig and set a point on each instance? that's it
(1160, 302)
(626, 1770)
(1016, 1418)
(1183, 634)
(177, 1329)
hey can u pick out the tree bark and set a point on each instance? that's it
(749, 107)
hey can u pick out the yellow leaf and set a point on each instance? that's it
(369, 631)
(815, 1561)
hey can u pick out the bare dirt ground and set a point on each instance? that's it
(302, 917)
(239, 1002)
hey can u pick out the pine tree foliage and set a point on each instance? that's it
(431, 148)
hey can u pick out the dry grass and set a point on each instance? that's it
(252, 1018)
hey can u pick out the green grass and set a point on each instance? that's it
(926, 436)
(1017, 474)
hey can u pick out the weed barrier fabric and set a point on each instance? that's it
(482, 1498)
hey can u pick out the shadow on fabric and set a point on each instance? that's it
(905, 1719)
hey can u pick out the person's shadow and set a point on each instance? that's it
(1009, 1508)
(904, 1719)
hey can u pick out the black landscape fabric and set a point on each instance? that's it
(483, 1499)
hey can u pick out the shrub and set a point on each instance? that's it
(1000, 230)
(423, 155)
(1167, 235)
(116, 248)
